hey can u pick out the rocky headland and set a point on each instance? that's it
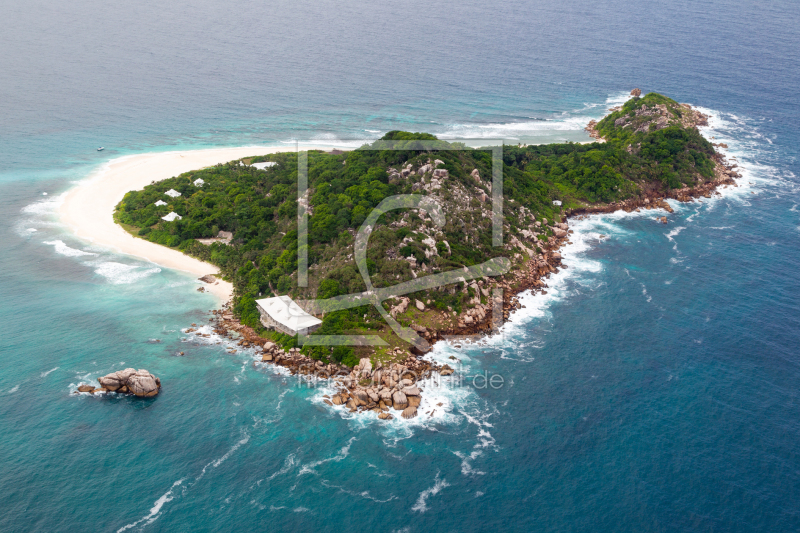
(395, 386)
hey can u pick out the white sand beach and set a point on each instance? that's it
(88, 207)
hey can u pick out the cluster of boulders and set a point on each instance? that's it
(431, 178)
(400, 308)
(129, 381)
(226, 325)
(297, 363)
(591, 129)
(361, 384)
(391, 387)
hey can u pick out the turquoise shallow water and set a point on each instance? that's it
(653, 389)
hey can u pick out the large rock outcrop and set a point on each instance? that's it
(139, 382)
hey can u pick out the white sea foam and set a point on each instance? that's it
(340, 456)
(581, 270)
(41, 214)
(514, 130)
(439, 396)
(244, 440)
(334, 141)
(121, 274)
(13, 390)
(44, 374)
(674, 232)
(749, 148)
(360, 494)
(466, 462)
(63, 249)
(216, 462)
(566, 126)
(48, 206)
(618, 99)
(155, 511)
(421, 504)
(288, 464)
(644, 293)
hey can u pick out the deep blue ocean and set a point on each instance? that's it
(655, 388)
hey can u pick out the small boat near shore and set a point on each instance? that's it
(101, 148)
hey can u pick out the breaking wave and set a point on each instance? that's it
(421, 504)
(121, 274)
(155, 511)
(63, 249)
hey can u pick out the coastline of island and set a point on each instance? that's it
(88, 207)
(394, 385)
(380, 389)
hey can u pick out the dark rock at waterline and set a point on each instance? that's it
(409, 412)
(417, 350)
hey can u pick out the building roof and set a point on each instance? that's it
(262, 166)
(173, 193)
(172, 216)
(285, 311)
(160, 203)
(199, 182)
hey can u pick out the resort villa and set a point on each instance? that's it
(281, 313)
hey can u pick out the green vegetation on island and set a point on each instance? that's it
(651, 143)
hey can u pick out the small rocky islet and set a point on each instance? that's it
(139, 383)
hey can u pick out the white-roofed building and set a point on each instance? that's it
(172, 216)
(556, 202)
(198, 182)
(173, 193)
(283, 314)
(160, 203)
(264, 166)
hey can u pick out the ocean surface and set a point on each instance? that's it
(655, 388)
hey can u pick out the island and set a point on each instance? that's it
(242, 217)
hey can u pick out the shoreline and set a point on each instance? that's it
(534, 272)
(88, 207)
(365, 389)
(88, 210)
